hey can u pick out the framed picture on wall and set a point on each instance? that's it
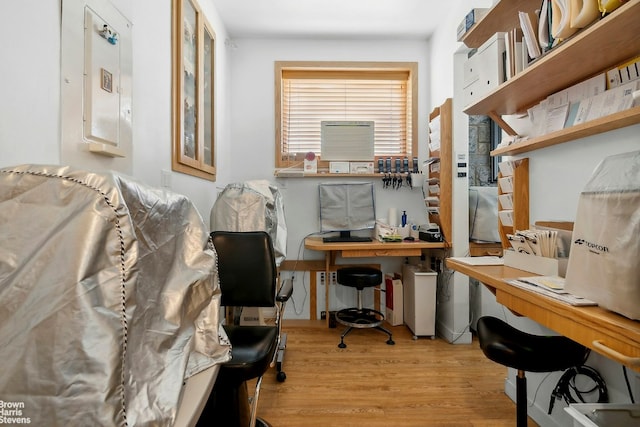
(193, 56)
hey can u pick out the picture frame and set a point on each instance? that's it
(193, 45)
(106, 80)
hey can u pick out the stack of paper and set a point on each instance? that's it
(551, 286)
(535, 242)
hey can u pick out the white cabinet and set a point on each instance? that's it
(484, 71)
(419, 289)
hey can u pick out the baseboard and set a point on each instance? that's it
(452, 337)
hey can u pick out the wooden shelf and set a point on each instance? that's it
(300, 174)
(502, 17)
(445, 175)
(605, 44)
(593, 127)
(520, 201)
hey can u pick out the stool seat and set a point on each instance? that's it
(511, 347)
(359, 277)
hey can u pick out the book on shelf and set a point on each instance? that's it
(528, 22)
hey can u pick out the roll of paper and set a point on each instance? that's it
(393, 217)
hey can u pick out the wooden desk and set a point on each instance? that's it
(363, 250)
(603, 331)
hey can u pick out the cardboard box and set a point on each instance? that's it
(252, 316)
(338, 167)
(393, 294)
(536, 264)
(470, 20)
(361, 167)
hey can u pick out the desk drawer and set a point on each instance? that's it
(485, 249)
(368, 253)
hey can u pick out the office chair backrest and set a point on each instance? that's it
(246, 267)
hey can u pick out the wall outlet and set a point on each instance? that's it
(165, 179)
(333, 278)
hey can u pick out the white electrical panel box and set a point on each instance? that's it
(96, 81)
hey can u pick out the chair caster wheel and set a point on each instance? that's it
(281, 376)
(342, 345)
(390, 341)
(262, 423)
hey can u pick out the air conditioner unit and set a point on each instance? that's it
(347, 140)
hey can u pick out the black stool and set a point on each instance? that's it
(359, 317)
(508, 346)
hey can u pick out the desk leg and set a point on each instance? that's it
(327, 282)
(313, 302)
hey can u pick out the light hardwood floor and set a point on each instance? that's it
(414, 383)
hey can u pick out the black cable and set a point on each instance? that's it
(626, 379)
(566, 387)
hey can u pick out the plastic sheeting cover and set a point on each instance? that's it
(252, 206)
(110, 298)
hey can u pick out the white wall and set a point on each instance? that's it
(30, 82)
(30, 85)
(453, 298)
(253, 135)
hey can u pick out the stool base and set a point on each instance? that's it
(361, 318)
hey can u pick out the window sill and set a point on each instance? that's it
(299, 173)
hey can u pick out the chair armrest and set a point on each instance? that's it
(285, 291)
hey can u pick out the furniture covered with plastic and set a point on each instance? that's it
(110, 298)
(255, 205)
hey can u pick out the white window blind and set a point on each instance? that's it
(312, 96)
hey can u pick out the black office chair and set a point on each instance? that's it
(248, 278)
(511, 347)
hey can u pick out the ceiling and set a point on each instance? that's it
(334, 19)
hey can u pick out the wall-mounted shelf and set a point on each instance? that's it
(593, 127)
(503, 16)
(520, 201)
(444, 175)
(298, 173)
(607, 43)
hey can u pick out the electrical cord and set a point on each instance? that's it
(293, 276)
(626, 379)
(567, 388)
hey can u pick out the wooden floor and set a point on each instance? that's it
(414, 383)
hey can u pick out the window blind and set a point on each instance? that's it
(310, 97)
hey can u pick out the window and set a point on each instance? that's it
(193, 92)
(309, 92)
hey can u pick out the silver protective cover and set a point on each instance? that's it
(109, 298)
(252, 206)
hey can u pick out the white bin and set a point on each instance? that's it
(419, 289)
(604, 414)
